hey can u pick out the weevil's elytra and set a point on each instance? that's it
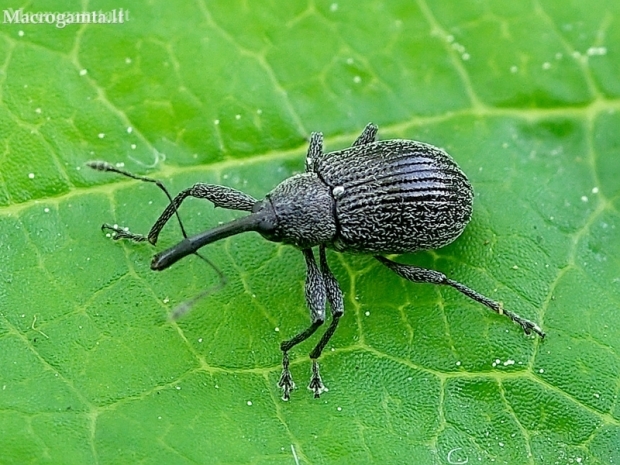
(376, 197)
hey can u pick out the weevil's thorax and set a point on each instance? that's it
(304, 211)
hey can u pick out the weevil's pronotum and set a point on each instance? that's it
(375, 197)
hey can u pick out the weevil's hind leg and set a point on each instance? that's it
(336, 303)
(219, 196)
(367, 136)
(422, 275)
(315, 298)
(315, 151)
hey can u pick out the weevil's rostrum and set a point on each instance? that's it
(376, 197)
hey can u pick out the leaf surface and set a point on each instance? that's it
(524, 95)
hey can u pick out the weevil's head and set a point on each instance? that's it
(299, 211)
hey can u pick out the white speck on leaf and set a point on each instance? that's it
(31, 175)
(596, 51)
(595, 190)
(101, 135)
(584, 198)
(249, 402)
(83, 72)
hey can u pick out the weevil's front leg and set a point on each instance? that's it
(422, 275)
(219, 196)
(336, 302)
(315, 298)
(368, 135)
(315, 151)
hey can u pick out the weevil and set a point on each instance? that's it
(375, 197)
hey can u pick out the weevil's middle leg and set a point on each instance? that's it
(336, 303)
(422, 275)
(315, 298)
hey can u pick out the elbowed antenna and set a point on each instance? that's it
(253, 222)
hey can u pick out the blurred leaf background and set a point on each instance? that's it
(524, 95)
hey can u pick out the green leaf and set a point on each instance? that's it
(524, 95)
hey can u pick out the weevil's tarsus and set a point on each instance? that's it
(316, 383)
(286, 380)
(122, 233)
(422, 275)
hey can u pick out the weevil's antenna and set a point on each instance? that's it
(186, 306)
(105, 166)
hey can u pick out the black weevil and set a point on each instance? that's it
(376, 197)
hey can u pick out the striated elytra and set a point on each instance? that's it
(376, 197)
